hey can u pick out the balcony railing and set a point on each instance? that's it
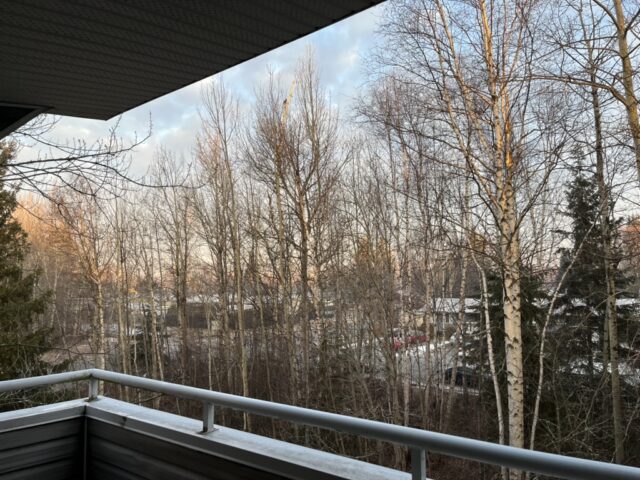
(418, 441)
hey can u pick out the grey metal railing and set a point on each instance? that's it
(418, 441)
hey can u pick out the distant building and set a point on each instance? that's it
(444, 311)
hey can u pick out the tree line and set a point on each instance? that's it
(493, 157)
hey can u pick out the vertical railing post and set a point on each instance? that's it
(94, 386)
(418, 464)
(207, 417)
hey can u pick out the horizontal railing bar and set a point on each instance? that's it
(478, 450)
(44, 380)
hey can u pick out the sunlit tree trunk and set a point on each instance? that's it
(509, 242)
(630, 104)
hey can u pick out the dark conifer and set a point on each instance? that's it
(22, 341)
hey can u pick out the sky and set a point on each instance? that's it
(341, 52)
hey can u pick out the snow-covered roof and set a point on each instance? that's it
(451, 305)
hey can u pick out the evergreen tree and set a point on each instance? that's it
(582, 301)
(577, 393)
(22, 341)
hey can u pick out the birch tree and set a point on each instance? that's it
(84, 221)
(172, 208)
(219, 145)
(472, 63)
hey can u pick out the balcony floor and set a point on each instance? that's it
(110, 439)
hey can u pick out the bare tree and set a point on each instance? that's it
(218, 148)
(172, 206)
(75, 164)
(85, 223)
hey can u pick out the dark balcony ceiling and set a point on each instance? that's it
(99, 58)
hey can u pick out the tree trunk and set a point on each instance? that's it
(283, 278)
(240, 313)
(122, 327)
(508, 237)
(457, 348)
(427, 323)
(238, 275)
(304, 279)
(157, 370)
(491, 355)
(181, 310)
(510, 250)
(100, 332)
(631, 101)
(611, 322)
(615, 387)
(161, 296)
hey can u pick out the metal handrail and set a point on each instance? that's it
(417, 440)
